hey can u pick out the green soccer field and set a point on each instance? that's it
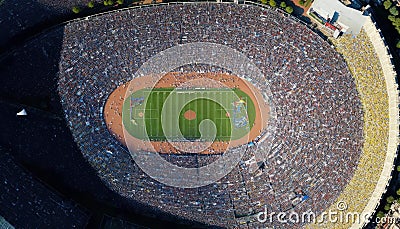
(158, 114)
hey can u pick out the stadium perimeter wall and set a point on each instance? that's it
(393, 140)
(392, 90)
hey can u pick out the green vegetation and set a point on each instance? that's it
(390, 199)
(144, 119)
(393, 10)
(289, 9)
(264, 2)
(387, 4)
(309, 2)
(76, 9)
(380, 214)
(301, 2)
(120, 2)
(91, 4)
(283, 4)
(272, 3)
(398, 46)
(396, 22)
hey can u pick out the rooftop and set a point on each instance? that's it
(351, 20)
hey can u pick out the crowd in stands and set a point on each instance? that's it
(314, 141)
(366, 69)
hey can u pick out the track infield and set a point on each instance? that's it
(158, 114)
(113, 110)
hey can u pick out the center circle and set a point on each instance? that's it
(189, 115)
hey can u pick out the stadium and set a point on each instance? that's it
(218, 112)
(313, 147)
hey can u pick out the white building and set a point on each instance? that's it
(336, 16)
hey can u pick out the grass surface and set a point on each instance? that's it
(160, 116)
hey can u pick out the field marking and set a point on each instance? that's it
(153, 109)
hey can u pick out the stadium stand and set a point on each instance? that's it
(318, 131)
(27, 202)
(369, 62)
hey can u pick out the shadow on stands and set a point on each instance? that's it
(42, 143)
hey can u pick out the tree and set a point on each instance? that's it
(110, 2)
(390, 199)
(380, 214)
(105, 2)
(387, 4)
(272, 3)
(398, 168)
(396, 22)
(301, 2)
(392, 19)
(398, 46)
(283, 4)
(76, 9)
(398, 190)
(387, 207)
(90, 4)
(264, 2)
(120, 2)
(289, 9)
(393, 10)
